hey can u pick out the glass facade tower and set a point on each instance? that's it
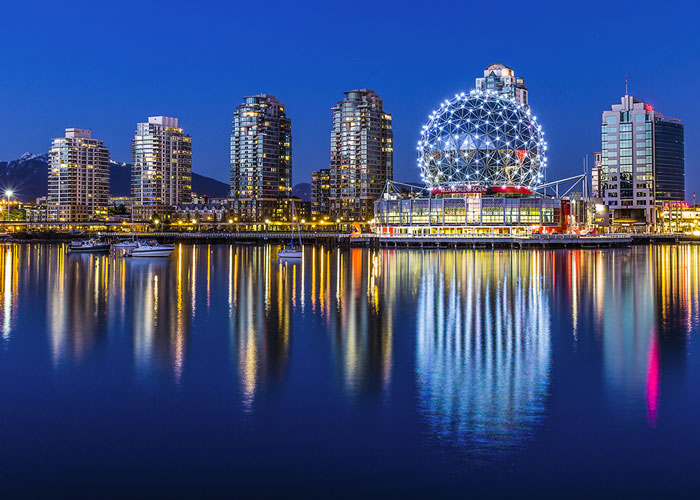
(670, 159)
(78, 187)
(642, 161)
(361, 155)
(161, 176)
(261, 159)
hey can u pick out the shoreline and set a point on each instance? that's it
(398, 242)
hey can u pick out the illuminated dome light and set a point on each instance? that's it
(507, 153)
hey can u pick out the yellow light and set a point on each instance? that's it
(156, 222)
(194, 221)
(230, 221)
(303, 221)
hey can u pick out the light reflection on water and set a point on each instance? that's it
(483, 348)
(462, 345)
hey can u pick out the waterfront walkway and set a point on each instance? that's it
(424, 241)
(505, 241)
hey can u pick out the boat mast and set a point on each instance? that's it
(294, 215)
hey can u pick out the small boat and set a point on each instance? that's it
(125, 245)
(293, 250)
(150, 248)
(91, 245)
(290, 253)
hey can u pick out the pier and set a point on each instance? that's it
(422, 241)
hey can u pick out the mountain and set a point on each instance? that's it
(210, 187)
(120, 182)
(302, 190)
(27, 177)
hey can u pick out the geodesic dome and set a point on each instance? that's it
(482, 140)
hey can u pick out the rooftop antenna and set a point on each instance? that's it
(626, 85)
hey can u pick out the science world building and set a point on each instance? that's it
(482, 156)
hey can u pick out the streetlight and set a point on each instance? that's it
(8, 195)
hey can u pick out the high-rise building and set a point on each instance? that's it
(595, 174)
(643, 161)
(78, 177)
(162, 171)
(361, 155)
(501, 80)
(261, 159)
(320, 193)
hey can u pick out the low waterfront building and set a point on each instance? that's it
(213, 212)
(124, 201)
(78, 186)
(35, 213)
(303, 209)
(678, 217)
(471, 215)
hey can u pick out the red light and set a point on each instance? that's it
(649, 107)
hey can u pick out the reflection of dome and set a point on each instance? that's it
(483, 351)
(481, 139)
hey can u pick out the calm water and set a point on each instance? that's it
(354, 371)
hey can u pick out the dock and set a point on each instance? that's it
(486, 241)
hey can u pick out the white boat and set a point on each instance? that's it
(150, 249)
(290, 253)
(293, 250)
(88, 246)
(125, 245)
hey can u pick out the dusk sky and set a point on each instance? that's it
(108, 65)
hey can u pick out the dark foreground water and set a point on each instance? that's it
(354, 372)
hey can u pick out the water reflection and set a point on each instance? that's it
(160, 296)
(648, 306)
(480, 324)
(483, 350)
(261, 295)
(9, 257)
(355, 296)
(90, 297)
(77, 287)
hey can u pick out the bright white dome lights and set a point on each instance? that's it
(508, 150)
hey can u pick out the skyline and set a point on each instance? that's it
(571, 82)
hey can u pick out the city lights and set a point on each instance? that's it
(481, 139)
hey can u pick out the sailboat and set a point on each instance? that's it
(293, 250)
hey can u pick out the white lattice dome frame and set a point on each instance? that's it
(482, 139)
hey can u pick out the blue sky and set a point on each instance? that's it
(108, 65)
